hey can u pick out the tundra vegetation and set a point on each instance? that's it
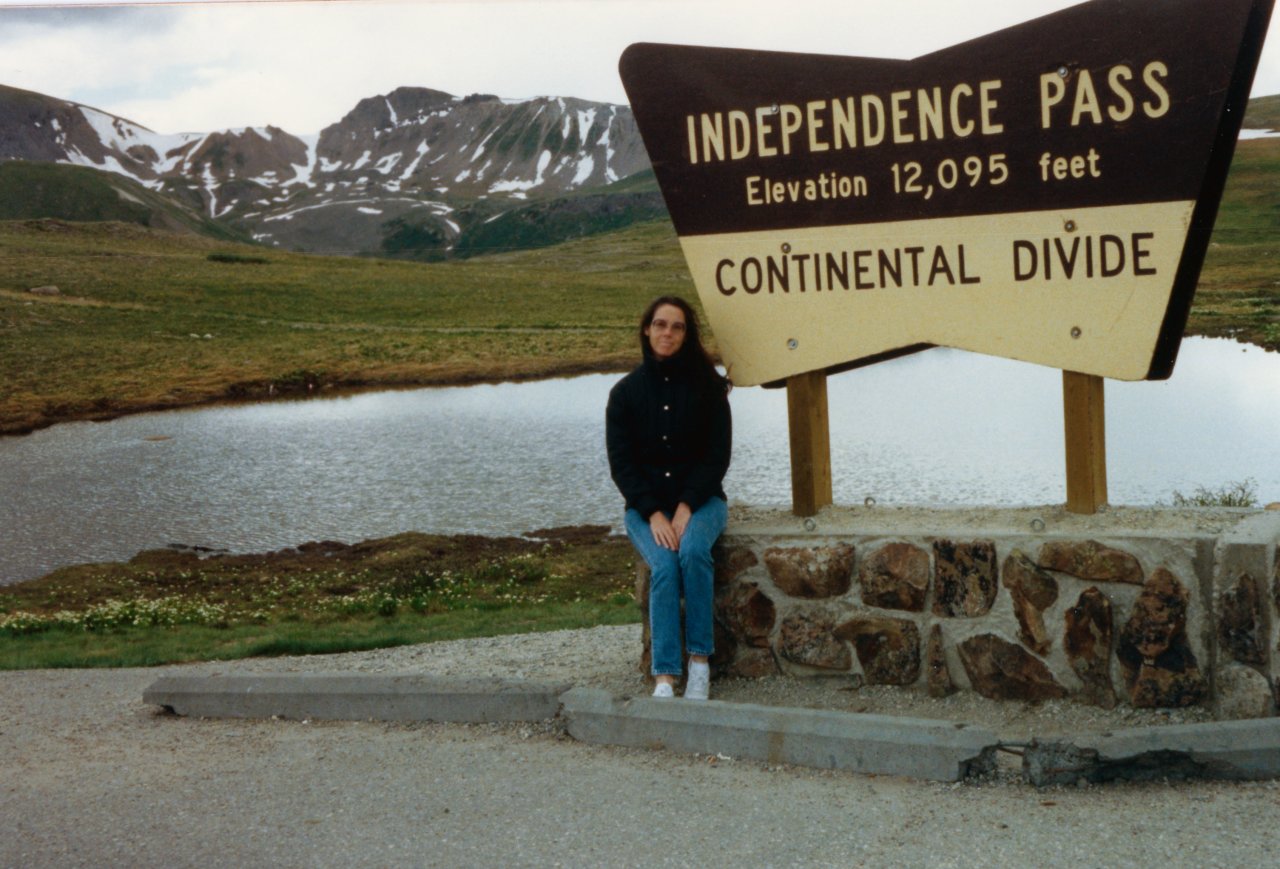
(167, 605)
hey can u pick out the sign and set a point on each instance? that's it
(1044, 193)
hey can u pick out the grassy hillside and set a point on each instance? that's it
(549, 223)
(78, 193)
(149, 319)
(1263, 113)
(1239, 290)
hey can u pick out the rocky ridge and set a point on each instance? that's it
(414, 169)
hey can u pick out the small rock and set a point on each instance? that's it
(937, 674)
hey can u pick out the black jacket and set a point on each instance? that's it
(668, 437)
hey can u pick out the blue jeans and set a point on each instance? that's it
(688, 572)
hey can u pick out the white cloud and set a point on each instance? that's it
(303, 66)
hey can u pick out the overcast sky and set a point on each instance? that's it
(301, 66)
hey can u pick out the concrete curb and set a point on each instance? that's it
(869, 744)
(878, 744)
(1240, 750)
(359, 697)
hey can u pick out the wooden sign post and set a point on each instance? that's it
(810, 431)
(1086, 441)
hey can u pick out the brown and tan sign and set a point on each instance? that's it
(1044, 193)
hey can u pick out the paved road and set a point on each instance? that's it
(91, 776)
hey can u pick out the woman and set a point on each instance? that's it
(668, 432)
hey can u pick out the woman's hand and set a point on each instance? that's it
(680, 520)
(664, 533)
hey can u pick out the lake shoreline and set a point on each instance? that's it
(339, 385)
(335, 386)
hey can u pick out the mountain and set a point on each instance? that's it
(414, 173)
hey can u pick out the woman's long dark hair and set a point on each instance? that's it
(691, 352)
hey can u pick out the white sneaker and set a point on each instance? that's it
(664, 690)
(699, 685)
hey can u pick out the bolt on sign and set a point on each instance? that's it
(1044, 193)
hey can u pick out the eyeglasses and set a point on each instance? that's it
(664, 325)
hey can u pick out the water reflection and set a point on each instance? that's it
(939, 427)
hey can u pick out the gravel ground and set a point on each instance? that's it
(92, 776)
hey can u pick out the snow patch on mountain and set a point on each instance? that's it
(304, 172)
(408, 150)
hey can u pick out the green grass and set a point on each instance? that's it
(152, 320)
(146, 647)
(165, 606)
(1239, 291)
(1241, 494)
(1263, 113)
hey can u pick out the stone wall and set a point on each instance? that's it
(1144, 607)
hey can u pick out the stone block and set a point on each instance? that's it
(1087, 639)
(1091, 561)
(895, 576)
(731, 562)
(1000, 670)
(819, 572)
(965, 581)
(1159, 666)
(1032, 591)
(752, 664)
(747, 612)
(1242, 692)
(809, 640)
(888, 649)
(1241, 630)
(1275, 580)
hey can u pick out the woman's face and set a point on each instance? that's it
(666, 331)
